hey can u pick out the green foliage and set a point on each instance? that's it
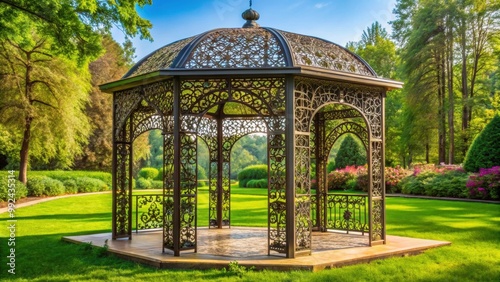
(157, 184)
(485, 184)
(87, 184)
(44, 186)
(70, 186)
(415, 185)
(338, 179)
(148, 173)
(350, 153)
(393, 178)
(19, 188)
(235, 269)
(73, 26)
(257, 183)
(63, 175)
(485, 150)
(36, 186)
(253, 172)
(143, 183)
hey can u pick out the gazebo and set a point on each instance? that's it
(227, 83)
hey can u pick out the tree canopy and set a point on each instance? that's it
(72, 25)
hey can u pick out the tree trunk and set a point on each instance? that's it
(441, 109)
(451, 98)
(465, 93)
(24, 153)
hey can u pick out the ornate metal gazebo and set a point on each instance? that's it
(226, 83)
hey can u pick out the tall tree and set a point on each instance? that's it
(376, 48)
(112, 65)
(72, 24)
(42, 100)
(350, 153)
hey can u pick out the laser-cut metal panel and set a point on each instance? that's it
(236, 48)
(159, 59)
(277, 184)
(315, 52)
(343, 128)
(168, 191)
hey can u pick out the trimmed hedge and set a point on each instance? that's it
(63, 175)
(253, 172)
(87, 185)
(257, 183)
(485, 149)
(44, 186)
(20, 190)
(148, 173)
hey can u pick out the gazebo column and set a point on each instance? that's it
(321, 164)
(185, 179)
(377, 185)
(122, 180)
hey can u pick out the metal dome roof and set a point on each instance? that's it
(251, 48)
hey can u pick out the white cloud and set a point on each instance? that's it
(321, 5)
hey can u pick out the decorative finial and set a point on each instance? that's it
(250, 16)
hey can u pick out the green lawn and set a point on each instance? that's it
(473, 228)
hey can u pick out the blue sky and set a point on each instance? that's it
(339, 21)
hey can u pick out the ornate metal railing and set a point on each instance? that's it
(347, 212)
(148, 211)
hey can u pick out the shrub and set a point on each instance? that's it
(485, 184)
(74, 174)
(148, 173)
(157, 184)
(252, 183)
(53, 187)
(252, 172)
(350, 153)
(485, 149)
(448, 184)
(70, 186)
(262, 183)
(415, 185)
(337, 179)
(36, 185)
(143, 183)
(87, 184)
(393, 177)
(20, 191)
(202, 183)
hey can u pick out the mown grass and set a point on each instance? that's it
(473, 228)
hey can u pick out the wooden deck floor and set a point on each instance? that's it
(248, 246)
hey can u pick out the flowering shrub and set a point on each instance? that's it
(338, 179)
(485, 184)
(393, 178)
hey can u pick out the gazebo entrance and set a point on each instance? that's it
(227, 83)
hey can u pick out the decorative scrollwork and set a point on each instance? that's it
(315, 52)
(343, 128)
(153, 216)
(347, 212)
(236, 48)
(160, 59)
(277, 184)
(121, 194)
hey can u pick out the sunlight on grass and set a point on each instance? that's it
(473, 229)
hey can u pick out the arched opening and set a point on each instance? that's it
(333, 208)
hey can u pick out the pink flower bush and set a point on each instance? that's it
(485, 184)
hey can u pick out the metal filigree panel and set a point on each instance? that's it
(343, 128)
(148, 211)
(122, 206)
(213, 194)
(236, 48)
(168, 191)
(340, 114)
(377, 168)
(159, 59)
(277, 185)
(315, 52)
(377, 222)
(124, 103)
(188, 191)
(347, 212)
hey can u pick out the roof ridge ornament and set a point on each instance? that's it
(250, 16)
